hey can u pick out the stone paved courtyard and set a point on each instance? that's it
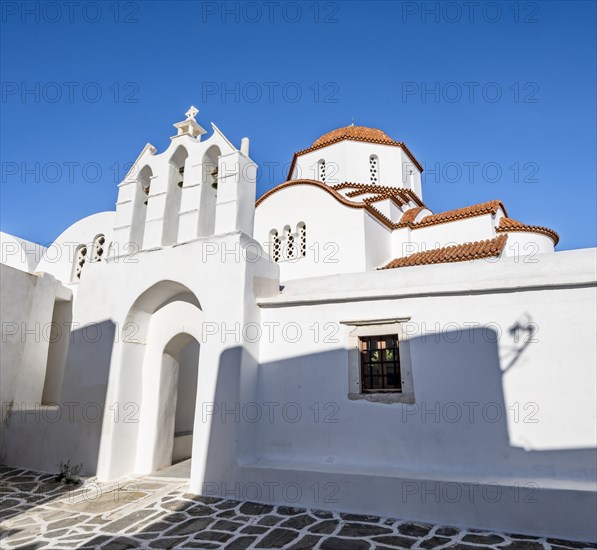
(37, 512)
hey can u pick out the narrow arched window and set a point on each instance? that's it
(275, 244)
(374, 169)
(80, 259)
(290, 246)
(321, 170)
(301, 230)
(97, 252)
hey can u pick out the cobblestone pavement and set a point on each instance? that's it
(37, 512)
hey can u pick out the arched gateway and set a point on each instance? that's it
(156, 382)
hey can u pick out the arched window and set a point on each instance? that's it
(374, 169)
(275, 244)
(301, 230)
(321, 170)
(97, 251)
(290, 248)
(80, 259)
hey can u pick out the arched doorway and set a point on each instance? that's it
(161, 332)
(169, 387)
(181, 358)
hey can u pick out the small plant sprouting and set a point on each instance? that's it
(69, 475)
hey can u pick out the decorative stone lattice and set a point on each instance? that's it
(276, 246)
(80, 259)
(303, 239)
(373, 169)
(321, 171)
(98, 248)
(290, 248)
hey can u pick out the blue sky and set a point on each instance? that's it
(497, 102)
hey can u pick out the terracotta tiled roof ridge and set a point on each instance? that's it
(352, 131)
(409, 216)
(508, 224)
(363, 188)
(476, 250)
(490, 207)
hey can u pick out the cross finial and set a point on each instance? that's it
(352, 123)
(192, 112)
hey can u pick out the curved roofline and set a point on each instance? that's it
(383, 190)
(340, 198)
(476, 250)
(390, 143)
(490, 207)
(353, 131)
(510, 225)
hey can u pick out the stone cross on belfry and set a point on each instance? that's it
(192, 112)
(189, 126)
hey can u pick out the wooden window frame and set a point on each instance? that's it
(378, 328)
(366, 349)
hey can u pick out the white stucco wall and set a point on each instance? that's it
(17, 289)
(348, 161)
(378, 239)
(27, 303)
(421, 239)
(530, 245)
(469, 344)
(335, 233)
(19, 253)
(59, 257)
(106, 356)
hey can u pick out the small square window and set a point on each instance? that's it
(380, 364)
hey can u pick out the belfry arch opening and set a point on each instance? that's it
(209, 191)
(176, 181)
(140, 204)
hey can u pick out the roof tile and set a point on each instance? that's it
(457, 253)
(490, 207)
(511, 225)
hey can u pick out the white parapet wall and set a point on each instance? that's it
(19, 253)
(502, 430)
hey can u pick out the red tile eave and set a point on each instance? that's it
(490, 207)
(489, 248)
(363, 188)
(340, 198)
(410, 215)
(510, 225)
(355, 138)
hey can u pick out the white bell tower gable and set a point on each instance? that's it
(192, 189)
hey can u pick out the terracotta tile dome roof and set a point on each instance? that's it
(354, 133)
(358, 132)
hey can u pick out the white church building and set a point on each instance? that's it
(336, 344)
